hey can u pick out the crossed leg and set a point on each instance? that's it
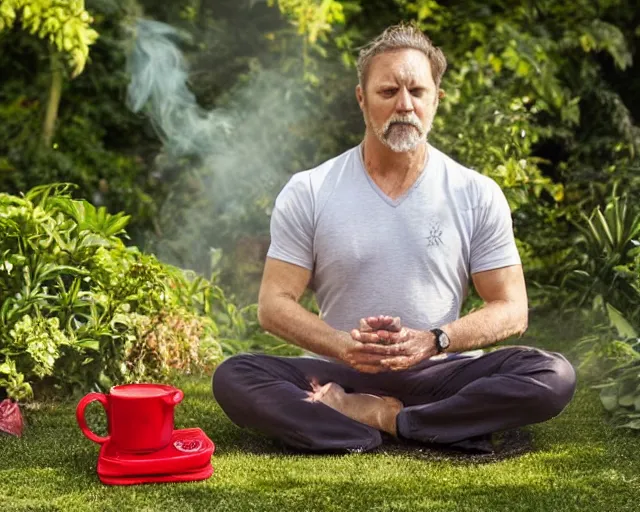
(317, 405)
(465, 398)
(272, 394)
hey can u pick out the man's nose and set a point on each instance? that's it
(405, 101)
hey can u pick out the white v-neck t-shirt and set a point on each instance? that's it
(410, 257)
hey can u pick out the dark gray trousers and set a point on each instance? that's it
(454, 401)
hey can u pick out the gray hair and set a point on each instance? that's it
(400, 37)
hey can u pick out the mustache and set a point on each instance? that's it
(410, 120)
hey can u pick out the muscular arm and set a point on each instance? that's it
(504, 314)
(279, 312)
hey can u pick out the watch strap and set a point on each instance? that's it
(437, 332)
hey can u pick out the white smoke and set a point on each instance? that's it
(236, 157)
(159, 78)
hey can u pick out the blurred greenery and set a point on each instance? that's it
(541, 96)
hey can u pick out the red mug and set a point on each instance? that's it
(139, 416)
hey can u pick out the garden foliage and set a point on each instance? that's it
(81, 309)
(63, 23)
(602, 273)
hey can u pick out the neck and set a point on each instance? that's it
(381, 161)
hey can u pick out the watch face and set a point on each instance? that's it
(443, 340)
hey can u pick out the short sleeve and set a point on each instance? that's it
(493, 244)
(292, 223)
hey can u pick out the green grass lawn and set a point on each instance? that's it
(577, 462)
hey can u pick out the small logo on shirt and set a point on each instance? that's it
(434, 236)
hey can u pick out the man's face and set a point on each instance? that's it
(400, 99)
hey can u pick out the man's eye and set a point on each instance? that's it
(389, 92)
(417, 92)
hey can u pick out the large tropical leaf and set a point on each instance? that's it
(624, 328)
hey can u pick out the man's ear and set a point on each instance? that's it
(360, 96)
(441, 94)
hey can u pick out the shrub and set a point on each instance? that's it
(79, 309)
(610, 356)
(603, 268)
(620, 394)
(604, 256)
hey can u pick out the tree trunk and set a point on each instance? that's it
(55, 92)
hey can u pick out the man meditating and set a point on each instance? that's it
(389, 235)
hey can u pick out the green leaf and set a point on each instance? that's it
(93, 240)
(605, 227)
(635, 424)
(624, 328)
(89, 343)
(626, 400)
(117, 225)
(609, 398)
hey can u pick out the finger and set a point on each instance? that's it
(374, 322)
(365, 358)
(389, 323)
(398, 363)
(384, 336)
(367, 337)
(377, 353)
(396, 324)
(392, 350)
(380, 349)
(399, 337)
(364, 337)
(398, 349)
(365, 326)
(382, 322)
(357, 335)
(390, 338)
(385, 322)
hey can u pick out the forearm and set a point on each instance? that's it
(495, 321)
(287, 319)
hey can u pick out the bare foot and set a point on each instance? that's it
(379, 412)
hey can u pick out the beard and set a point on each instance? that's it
(402, 133)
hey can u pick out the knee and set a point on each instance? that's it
(559, 385)
(565, 382)
(225, 382)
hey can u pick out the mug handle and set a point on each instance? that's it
(82, 405)
(177, 397)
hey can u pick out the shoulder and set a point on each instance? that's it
(471, 188)
(317, 183)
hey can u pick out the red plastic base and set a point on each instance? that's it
(189, 449)
(187, 458)
(192, 476)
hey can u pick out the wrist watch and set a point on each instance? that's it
(442, 340)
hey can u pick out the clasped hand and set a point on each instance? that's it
(382, 344)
